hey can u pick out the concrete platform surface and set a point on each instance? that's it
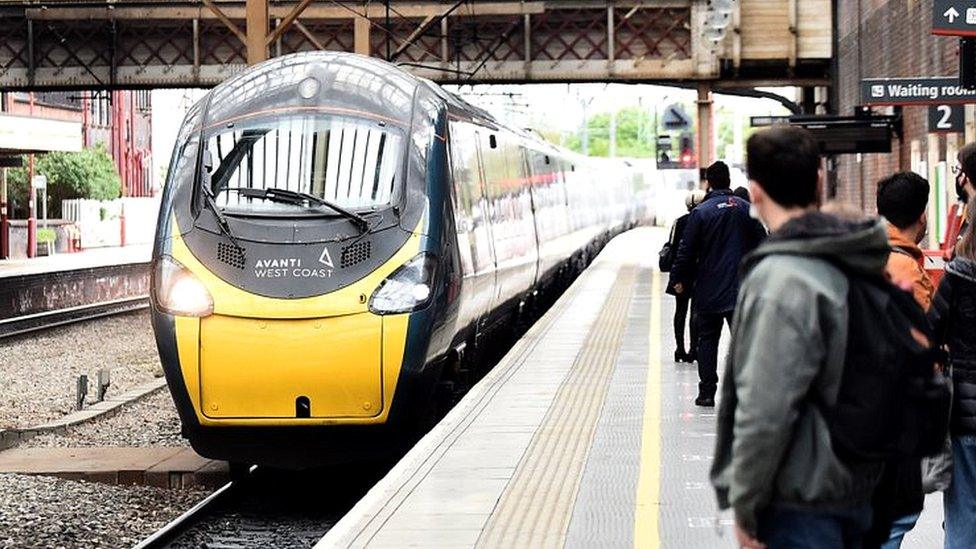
(155, 466)
(584, 435)
(85, 259)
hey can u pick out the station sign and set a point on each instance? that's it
(675, 117)
(11, 161)
(763, 121)
(39, 182)
(954, 17)
(947, 119)
(915, 91)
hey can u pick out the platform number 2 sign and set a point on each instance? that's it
(946, 118)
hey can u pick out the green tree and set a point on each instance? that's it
(635, 134)
(89, 173)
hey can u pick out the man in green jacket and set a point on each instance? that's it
(774, 465)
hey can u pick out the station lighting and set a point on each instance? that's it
(178, 291)
(407, 289)
(724, 7)
(716, 23)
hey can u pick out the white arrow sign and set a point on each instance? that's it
(951, 14)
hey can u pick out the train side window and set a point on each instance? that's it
(495, 167)
(492, 141)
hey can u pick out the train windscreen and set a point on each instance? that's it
(350, 162)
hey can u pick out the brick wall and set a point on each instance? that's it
(887, 38)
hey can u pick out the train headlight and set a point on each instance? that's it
(178, 291)
(308, 88)
(407, 289)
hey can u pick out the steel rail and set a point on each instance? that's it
(20, 325)
(192, 516)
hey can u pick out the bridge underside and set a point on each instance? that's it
(125, 44)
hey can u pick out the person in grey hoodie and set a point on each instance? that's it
(774, 464)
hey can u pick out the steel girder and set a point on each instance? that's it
(122, 44)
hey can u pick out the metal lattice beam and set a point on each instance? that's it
(125, 43)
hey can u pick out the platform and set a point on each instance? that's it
(85, 259)
(72, 283)
(162, 467)
(584, 435)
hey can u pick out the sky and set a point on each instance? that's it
(556, 108)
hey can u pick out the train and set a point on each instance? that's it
(339, 238)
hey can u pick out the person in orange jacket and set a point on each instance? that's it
(903, 200)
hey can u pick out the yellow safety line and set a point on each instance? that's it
(647, 533)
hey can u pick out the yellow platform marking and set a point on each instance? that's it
(647, 512)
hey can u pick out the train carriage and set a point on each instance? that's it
(334, 232)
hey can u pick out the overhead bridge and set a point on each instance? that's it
(111, 44)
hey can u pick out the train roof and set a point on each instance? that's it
(355, 83)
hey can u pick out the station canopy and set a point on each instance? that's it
(21, 134)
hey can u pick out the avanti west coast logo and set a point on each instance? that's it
(292, 267)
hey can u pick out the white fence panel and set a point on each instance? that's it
(100, 221)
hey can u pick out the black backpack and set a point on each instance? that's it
(665, 257)
(893, 399)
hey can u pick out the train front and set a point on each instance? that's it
(295, 282)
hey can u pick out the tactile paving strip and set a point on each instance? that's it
(604, 511)
(536, 506)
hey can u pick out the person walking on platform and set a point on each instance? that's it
(774, 464)
(902, 199)
(683, 300)
(953, 317)
(718, 235)
(966, 173)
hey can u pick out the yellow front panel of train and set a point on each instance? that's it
(260, 368)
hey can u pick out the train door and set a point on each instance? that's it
(473, 229)
(511, 219)
(541, 192)
(488, 246)
(531, 213)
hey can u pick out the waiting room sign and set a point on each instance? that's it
(915, 91)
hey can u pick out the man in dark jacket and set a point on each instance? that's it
(718, 235)
(774, 462)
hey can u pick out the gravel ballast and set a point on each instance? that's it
(40, 371)
(151, 421)
(51, 512)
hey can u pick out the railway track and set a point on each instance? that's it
(269, 508)
(25, 324)
(183, 523)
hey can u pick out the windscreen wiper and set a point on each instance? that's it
(222, 224)
(299, 198)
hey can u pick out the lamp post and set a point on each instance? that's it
(31, 200)
(4, 224)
